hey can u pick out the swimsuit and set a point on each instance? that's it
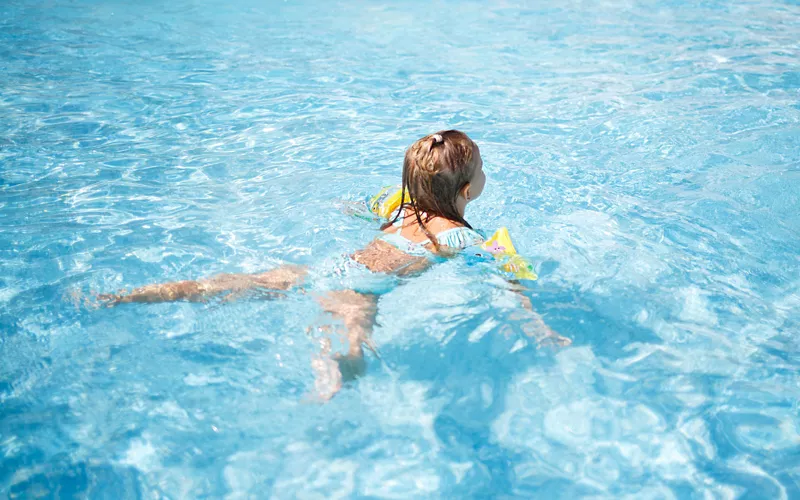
(457, 238)
(346, 273)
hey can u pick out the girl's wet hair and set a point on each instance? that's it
(435, 170)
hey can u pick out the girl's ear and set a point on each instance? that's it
(465, 192)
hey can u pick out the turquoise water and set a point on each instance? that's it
(645, 155)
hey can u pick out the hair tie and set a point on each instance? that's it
(437, 139)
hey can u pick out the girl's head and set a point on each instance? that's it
(442, 172)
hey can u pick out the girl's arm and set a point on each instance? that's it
(282, 278)
(536, 328)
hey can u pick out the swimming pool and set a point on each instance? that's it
(646, 155)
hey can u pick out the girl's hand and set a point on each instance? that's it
(545, 336)
(554, 340)
(110, 299)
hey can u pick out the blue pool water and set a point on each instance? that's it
(644, 154)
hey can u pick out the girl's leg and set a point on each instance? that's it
(358, 312)
(281, 278)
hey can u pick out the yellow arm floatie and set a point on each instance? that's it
(501, 247)
(387, 201)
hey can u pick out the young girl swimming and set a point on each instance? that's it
(442, 174)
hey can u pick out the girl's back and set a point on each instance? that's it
(404, 248)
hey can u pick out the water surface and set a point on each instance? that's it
(645, 155)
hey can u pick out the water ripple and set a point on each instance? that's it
(644, 154)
